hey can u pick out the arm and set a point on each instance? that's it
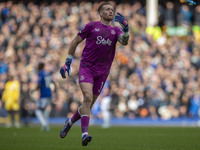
(123, 38)
(74, 44)
(72, 49)
(38, 87)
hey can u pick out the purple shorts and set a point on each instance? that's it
(87, 75)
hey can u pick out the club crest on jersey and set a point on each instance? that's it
(101, 40)
(82, 78)
(113, 32)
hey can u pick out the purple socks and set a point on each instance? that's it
(84, 121)
(84, 124)
(75, 117)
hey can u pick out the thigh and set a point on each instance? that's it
(86, 75)
(86, 80)
(42, 103)
(94, 100)
(86, 88)
(8, 105)
(15, 106)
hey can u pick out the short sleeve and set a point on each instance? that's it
(84, 32)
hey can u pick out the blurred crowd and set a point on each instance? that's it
(156, 78)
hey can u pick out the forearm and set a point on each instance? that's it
(125, 38)
(68, 61)
(72, 48)
(74, 44)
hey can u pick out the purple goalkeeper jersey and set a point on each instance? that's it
(99, 50)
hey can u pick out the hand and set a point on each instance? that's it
(66, 68)
(122, 21)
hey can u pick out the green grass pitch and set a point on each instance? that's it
(114, 138)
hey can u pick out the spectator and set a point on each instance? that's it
(155, 68)
(105, 106)
(11, 98)
(195, 104)
(197, 15)
(46, 87)
(169, 15)
(185, 15)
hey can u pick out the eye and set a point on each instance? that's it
(110, 9)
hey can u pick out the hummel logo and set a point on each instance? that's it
(96, 29)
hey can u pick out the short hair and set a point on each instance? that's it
(40, 66)
(103, 4)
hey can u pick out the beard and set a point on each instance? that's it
(108, 18)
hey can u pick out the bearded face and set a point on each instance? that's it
(107, 13)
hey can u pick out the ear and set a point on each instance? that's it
(101, 13)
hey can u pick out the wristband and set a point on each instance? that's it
(126, 34)
(69, 56)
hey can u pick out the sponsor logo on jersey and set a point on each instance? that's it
(101, 40)
(97, 29)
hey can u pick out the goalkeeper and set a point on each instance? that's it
(97, 58)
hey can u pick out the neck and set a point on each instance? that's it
(107, 23)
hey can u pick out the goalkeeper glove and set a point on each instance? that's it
(122, 21)
(66, 67)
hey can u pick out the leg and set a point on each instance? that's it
(87, 90)
(9, 116)
(47, 108)
(86, 77)
(16, 114)
(41, 105)
(105, 109)
(69, 122)
(94, 100)
(106, 119)
(17, 119)
(46, 113)
(83, 110)
(40, 116)
(9, 119)
(90, 93)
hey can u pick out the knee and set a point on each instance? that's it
(88, 99)
(48, 108)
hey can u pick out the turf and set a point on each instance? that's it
(115, 138)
